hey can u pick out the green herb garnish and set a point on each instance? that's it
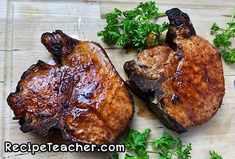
(223, 38)
(214, 155)
(114, 156)
(134, 28)
(137, 142)
(165, 147)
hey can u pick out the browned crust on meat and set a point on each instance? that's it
(182, 82)
(82, 95)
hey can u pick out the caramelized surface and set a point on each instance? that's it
(183, 81)
(196, 87)
(82, 95)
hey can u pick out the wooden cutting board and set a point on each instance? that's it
(21, 26)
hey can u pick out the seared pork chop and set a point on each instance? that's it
(82, 95)
(183, 80)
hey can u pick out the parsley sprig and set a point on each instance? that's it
(215, 155)
(165, 147)
(134, 28)
(223, 38)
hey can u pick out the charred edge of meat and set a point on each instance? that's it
(150, 90)
(166, 119)
(19, 88)
(23, 76)
(163, 116)
(180, 21)
(34, 67)
(24, 127)
(143, 87)
(58, 44)
(55, 135)
(45, 128)
(178, 18)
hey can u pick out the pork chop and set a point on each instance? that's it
(82, 95)
(183, 80)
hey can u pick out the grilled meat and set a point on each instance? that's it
(183, 80)
(82, 95)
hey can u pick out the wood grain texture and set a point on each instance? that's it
(23, 21)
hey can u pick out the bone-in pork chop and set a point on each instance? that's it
(82, 95)
(183, 80)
